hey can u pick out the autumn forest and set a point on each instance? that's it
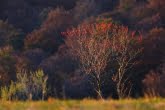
(76, 49)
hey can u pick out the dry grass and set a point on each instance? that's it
(52, 104)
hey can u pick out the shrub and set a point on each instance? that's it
(4, 93)
(153, 83)
(27, 86)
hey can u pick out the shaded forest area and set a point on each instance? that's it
(82, 48)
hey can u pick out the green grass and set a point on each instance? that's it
(52, 104)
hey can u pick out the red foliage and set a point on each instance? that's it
(97, 45)
(118, 37)
(99, 29)
(85, 29)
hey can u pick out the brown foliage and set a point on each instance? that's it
(7, 65)
(154, 47)
(125, 5)
(9, 35)
(47, 37)
(158, 6)
(151, 83)
(154, 83)
(149, 22)
(59, 68)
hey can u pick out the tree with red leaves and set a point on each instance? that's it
(96, 45)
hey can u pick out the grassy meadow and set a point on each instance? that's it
(52, 104)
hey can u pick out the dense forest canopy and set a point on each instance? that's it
(82, 48)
